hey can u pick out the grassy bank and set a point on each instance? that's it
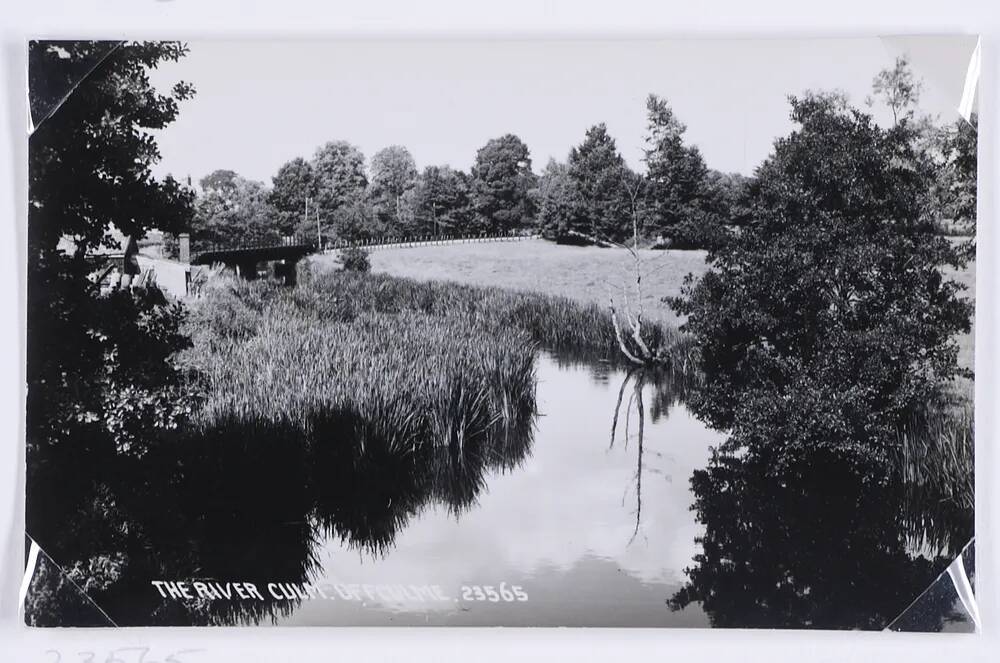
(382, 358)
(583, 274)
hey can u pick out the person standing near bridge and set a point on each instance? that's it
(130, 263)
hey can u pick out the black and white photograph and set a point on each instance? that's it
(502, 332)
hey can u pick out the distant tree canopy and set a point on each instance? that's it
(679, 201)
(602, 181)
(677, 195)
(339, 169)
(393, 173)
(232, 206)
(439, 203)
(560, 205)
(898, 89)
(294, 183)
(726, 197)
(959, 164)
(501, 184)
(952, 148)
(827, 321)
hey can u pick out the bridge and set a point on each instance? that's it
(245, 257)
(283, 254)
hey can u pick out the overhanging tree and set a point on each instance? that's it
(101, 386)
(827, 321)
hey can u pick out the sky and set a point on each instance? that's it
(261, 103)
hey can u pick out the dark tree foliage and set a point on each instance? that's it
(602, 180)
(89, 161)
(294, 182)
(101, 384)
(231, 209)
(501, 184)
(827, 320)
(393, 174)
(355, 221)
(727, 197)
(560, 206)
(339, 169)
(439, 203)
(679, 204)
(959, 145)
(818, 549)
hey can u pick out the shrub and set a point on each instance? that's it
(827, 321)
(354, 259)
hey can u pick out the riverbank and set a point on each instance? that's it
(586, 274)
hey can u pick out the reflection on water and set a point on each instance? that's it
(821, 549)
(601, 499)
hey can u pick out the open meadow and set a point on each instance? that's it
(584, 273)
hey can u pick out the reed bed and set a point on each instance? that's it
(936, 456)
(442, 353)
(398, 391)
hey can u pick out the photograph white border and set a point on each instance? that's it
(289, 19)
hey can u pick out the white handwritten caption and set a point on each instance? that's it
(182, 590)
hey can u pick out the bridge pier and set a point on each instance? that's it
(284, 271)
(246, 270)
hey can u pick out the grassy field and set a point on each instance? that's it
(586, 274)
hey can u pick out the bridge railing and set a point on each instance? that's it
(337, 244)
(252, 244)
(389, 241)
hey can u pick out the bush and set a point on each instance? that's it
(826, 322)
(354, 259)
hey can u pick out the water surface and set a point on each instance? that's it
(590, 538)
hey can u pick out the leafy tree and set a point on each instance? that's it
(102, 385)
(231, 209)
(393, 173)
(726, 196)
(676, 175)
(959, 163)
(602, 179)
(439, 203)
(356, 220)
(560, 206)
(827, 321)
(339, 168)
(898, 89)
(501, 183)
(952, 148)
(291, 186)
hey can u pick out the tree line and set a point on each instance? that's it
(590, 197)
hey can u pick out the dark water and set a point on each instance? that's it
(552, 522)
(565, 526)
